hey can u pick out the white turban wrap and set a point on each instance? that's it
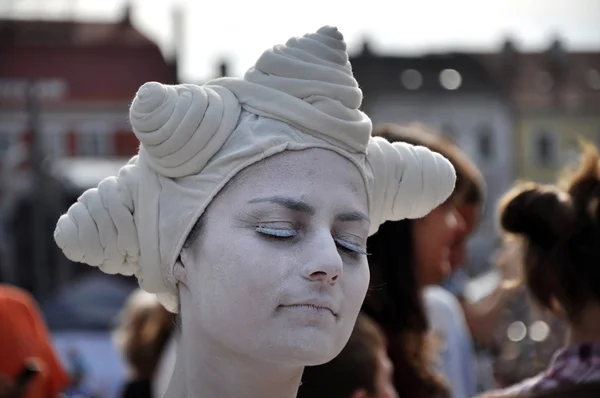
(194, 139)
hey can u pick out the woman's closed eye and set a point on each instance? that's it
(349, 247)
(276, 231)
(287, 232)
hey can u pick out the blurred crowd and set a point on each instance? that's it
(418, 334)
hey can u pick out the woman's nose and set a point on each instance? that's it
(324, 263)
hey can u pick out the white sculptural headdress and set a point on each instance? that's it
(194, 139)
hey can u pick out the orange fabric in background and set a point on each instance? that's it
(23, 335)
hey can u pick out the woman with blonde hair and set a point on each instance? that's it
(144, 329)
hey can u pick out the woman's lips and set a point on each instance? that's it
(312, 307)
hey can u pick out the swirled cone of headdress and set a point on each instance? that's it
(194, 139)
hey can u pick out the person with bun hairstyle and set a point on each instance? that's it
(247, 213)
(558, 230)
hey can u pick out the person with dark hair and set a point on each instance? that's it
(446, 314)
(406, 257)
(558, 230)
(395, 302)
(361, 370)
(469, 199)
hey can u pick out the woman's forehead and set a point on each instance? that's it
(293, 172)
(313, 165)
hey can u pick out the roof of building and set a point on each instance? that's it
(44, 32)
(554, 78)
(443, 72)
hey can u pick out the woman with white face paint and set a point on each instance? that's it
(247, 212)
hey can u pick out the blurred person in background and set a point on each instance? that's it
(519, 357)
(468, 200)
(438, 240)
(361, 370)
(484, 316)
(558, 229)
(406, 257)
(24, 339)
(144, 329)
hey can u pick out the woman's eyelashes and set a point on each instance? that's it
(276, 232)
(291, 232)
(349, 247)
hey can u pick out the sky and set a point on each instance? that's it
(239, 30)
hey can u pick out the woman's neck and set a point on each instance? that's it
(588, 329)
(203, 369)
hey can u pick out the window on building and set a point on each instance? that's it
(92, 144)
(593, 79)
(54, 139)
(485, 143)
(545, 147)
(94, 139)
(9, 135)
(544, 82)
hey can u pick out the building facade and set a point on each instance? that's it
(85, 75)
(69, 83)
(455, 94)
(556, 98)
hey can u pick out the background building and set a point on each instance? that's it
(65, 89)
(556, 97)
(86, 74)
(456, 94)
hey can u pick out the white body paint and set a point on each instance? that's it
(256, 308)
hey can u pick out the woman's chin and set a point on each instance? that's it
(310, 360)
(302, 353)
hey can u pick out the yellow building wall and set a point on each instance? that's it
(566, 129)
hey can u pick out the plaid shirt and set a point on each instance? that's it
(576, 364)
